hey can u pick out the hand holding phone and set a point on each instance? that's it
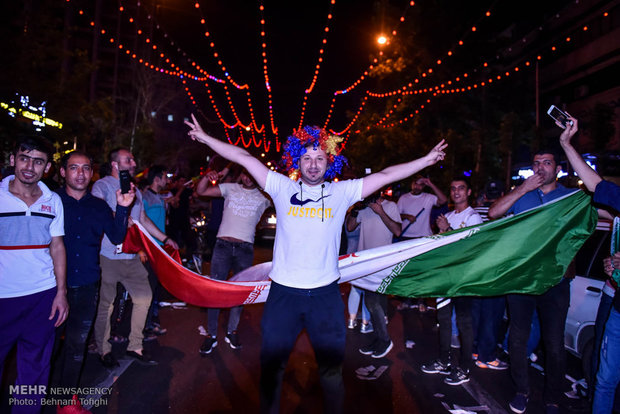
(559, 116)
(125, 179)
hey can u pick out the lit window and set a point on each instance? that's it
(170, 118)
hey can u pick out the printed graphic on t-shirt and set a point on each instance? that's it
(244, 205)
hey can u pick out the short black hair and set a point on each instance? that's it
(65, 158)
(462, 178)
(553, 152)
(34, 142)
(113, 155)
(154, 172)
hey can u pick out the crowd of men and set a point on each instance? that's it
(59, 272)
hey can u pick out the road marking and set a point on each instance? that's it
(484, 398)
(108, 381)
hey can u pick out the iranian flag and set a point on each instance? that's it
(525, 253)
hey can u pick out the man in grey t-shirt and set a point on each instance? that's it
(119, 267)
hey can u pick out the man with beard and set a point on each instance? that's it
(552, 306)
(87, 218)
(124, 268)
(304, 291)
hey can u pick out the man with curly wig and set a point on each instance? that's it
(304, 291)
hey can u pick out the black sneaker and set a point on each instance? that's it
(369, 349)
(519, 403)
(458, 376)
(232, 339)
(436, 367)
(382, 350)
(208, 345)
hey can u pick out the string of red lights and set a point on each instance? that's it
(317, 67)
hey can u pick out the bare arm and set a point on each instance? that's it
(503, 204)
(205, 188)
(59, 258)
(351, 222)
(589, 177)
(394, 226)
(230, 152)
(375, 181)
(441, 197)
(155, 232)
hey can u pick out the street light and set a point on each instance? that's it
(382, 40)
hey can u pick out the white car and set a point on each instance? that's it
(585, 294)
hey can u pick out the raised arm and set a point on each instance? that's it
(230, 152)
(375, 181)
(205, 187)
(441, 197)
(589, 177)
(503, 204)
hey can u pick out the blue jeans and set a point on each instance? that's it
(356, 295)
(608, 375)
(487, 315)
(228, 256)
(552, 308)
(604, 309)
(83, 307)
(287, 312)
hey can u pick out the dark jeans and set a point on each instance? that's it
(287, 311)
(487, 315)
(376, 304)
(152, 317)
(604, 309)
(83, 307)
(552, 308)
(462, 307)
(228, 256)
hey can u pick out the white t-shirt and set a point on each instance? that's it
(243, 209)
(373, 231)
(465, 218)
(26, 266)
(414, 204)
(308, 230)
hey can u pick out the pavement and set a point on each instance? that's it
(226, 381)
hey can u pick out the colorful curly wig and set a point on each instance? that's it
(296, 145)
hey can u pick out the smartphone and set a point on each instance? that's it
(559, 115)
(125, 179)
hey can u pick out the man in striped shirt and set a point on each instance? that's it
(33, 292)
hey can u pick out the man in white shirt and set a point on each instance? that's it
(33, 291)
(244, 204)
(458, 371)
(304, 292)
(415, 207)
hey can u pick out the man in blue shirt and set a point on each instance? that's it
(86, 219)
(552, 305)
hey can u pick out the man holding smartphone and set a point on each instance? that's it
(124, 268)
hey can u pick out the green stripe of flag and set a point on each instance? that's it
(525, 253)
